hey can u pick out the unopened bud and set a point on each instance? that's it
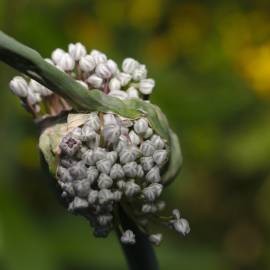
(95, 81)
(124, 78)
(87, 63)
(66, 62)
(132, 92)
(104, 166)
(104, 181)
(130, 169)
(129, 65)
(141, 126)
(103, 71)
(128, 237)
(146, 86)
(19, 87)
(76, 51)
(114, 84)
(153, 176)
(57, 55)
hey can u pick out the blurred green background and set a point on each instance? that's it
(211, 62)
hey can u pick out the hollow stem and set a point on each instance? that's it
(141, 255)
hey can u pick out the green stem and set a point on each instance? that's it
(141, 255)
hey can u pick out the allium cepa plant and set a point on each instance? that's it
(103, 159)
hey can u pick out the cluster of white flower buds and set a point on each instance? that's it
(93, 71)
(96, 71)
(29, 91)
(110, 160)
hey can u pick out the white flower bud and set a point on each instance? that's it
(63, 174)
(128, 237)
(104, 220)
(98, 56)
(95, 81)
(19, 87)
(89, 158)
(124, 78)
(92, 196)
(160, 157)
(87, 63)
(119, 94)
(92, 174)
(155, 238)
(78, 171)
(112, 66)
(35, 86)
(68, 188)
(66, 63)
(111, 133)
(94, 141)
(82, 83)
(121, 184)
(78, 204)
(117, 195)
(99, 154)
(57, 55)
(109, 119)
(70, 145)
(153, 176)
(147, 163)
(105, 196)
(114, 84)
(129, 154)
(88, 133)
(140, 73)
(129, 65)
(81, 152)
(81, 187)
(130, 169)
(176, 213)
(132, 92)
(149, 208)
(103, 71)
(157, 142)
(147, 149)
(152, 192)
(148, 133)
(112, 156)
(141, 126)
(76, 51)
(104, 166)
(131, 188)
(104, 181)
(33, 98)
(146, 86)
(93, 121)
(121, 145)
(134, 138)
(140, 172)
(67, 162)
(181, 226)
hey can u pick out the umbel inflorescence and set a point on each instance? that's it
(105, 161)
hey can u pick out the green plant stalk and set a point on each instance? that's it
(28, 61)
(140, 256)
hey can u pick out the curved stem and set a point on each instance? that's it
(141, 255)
